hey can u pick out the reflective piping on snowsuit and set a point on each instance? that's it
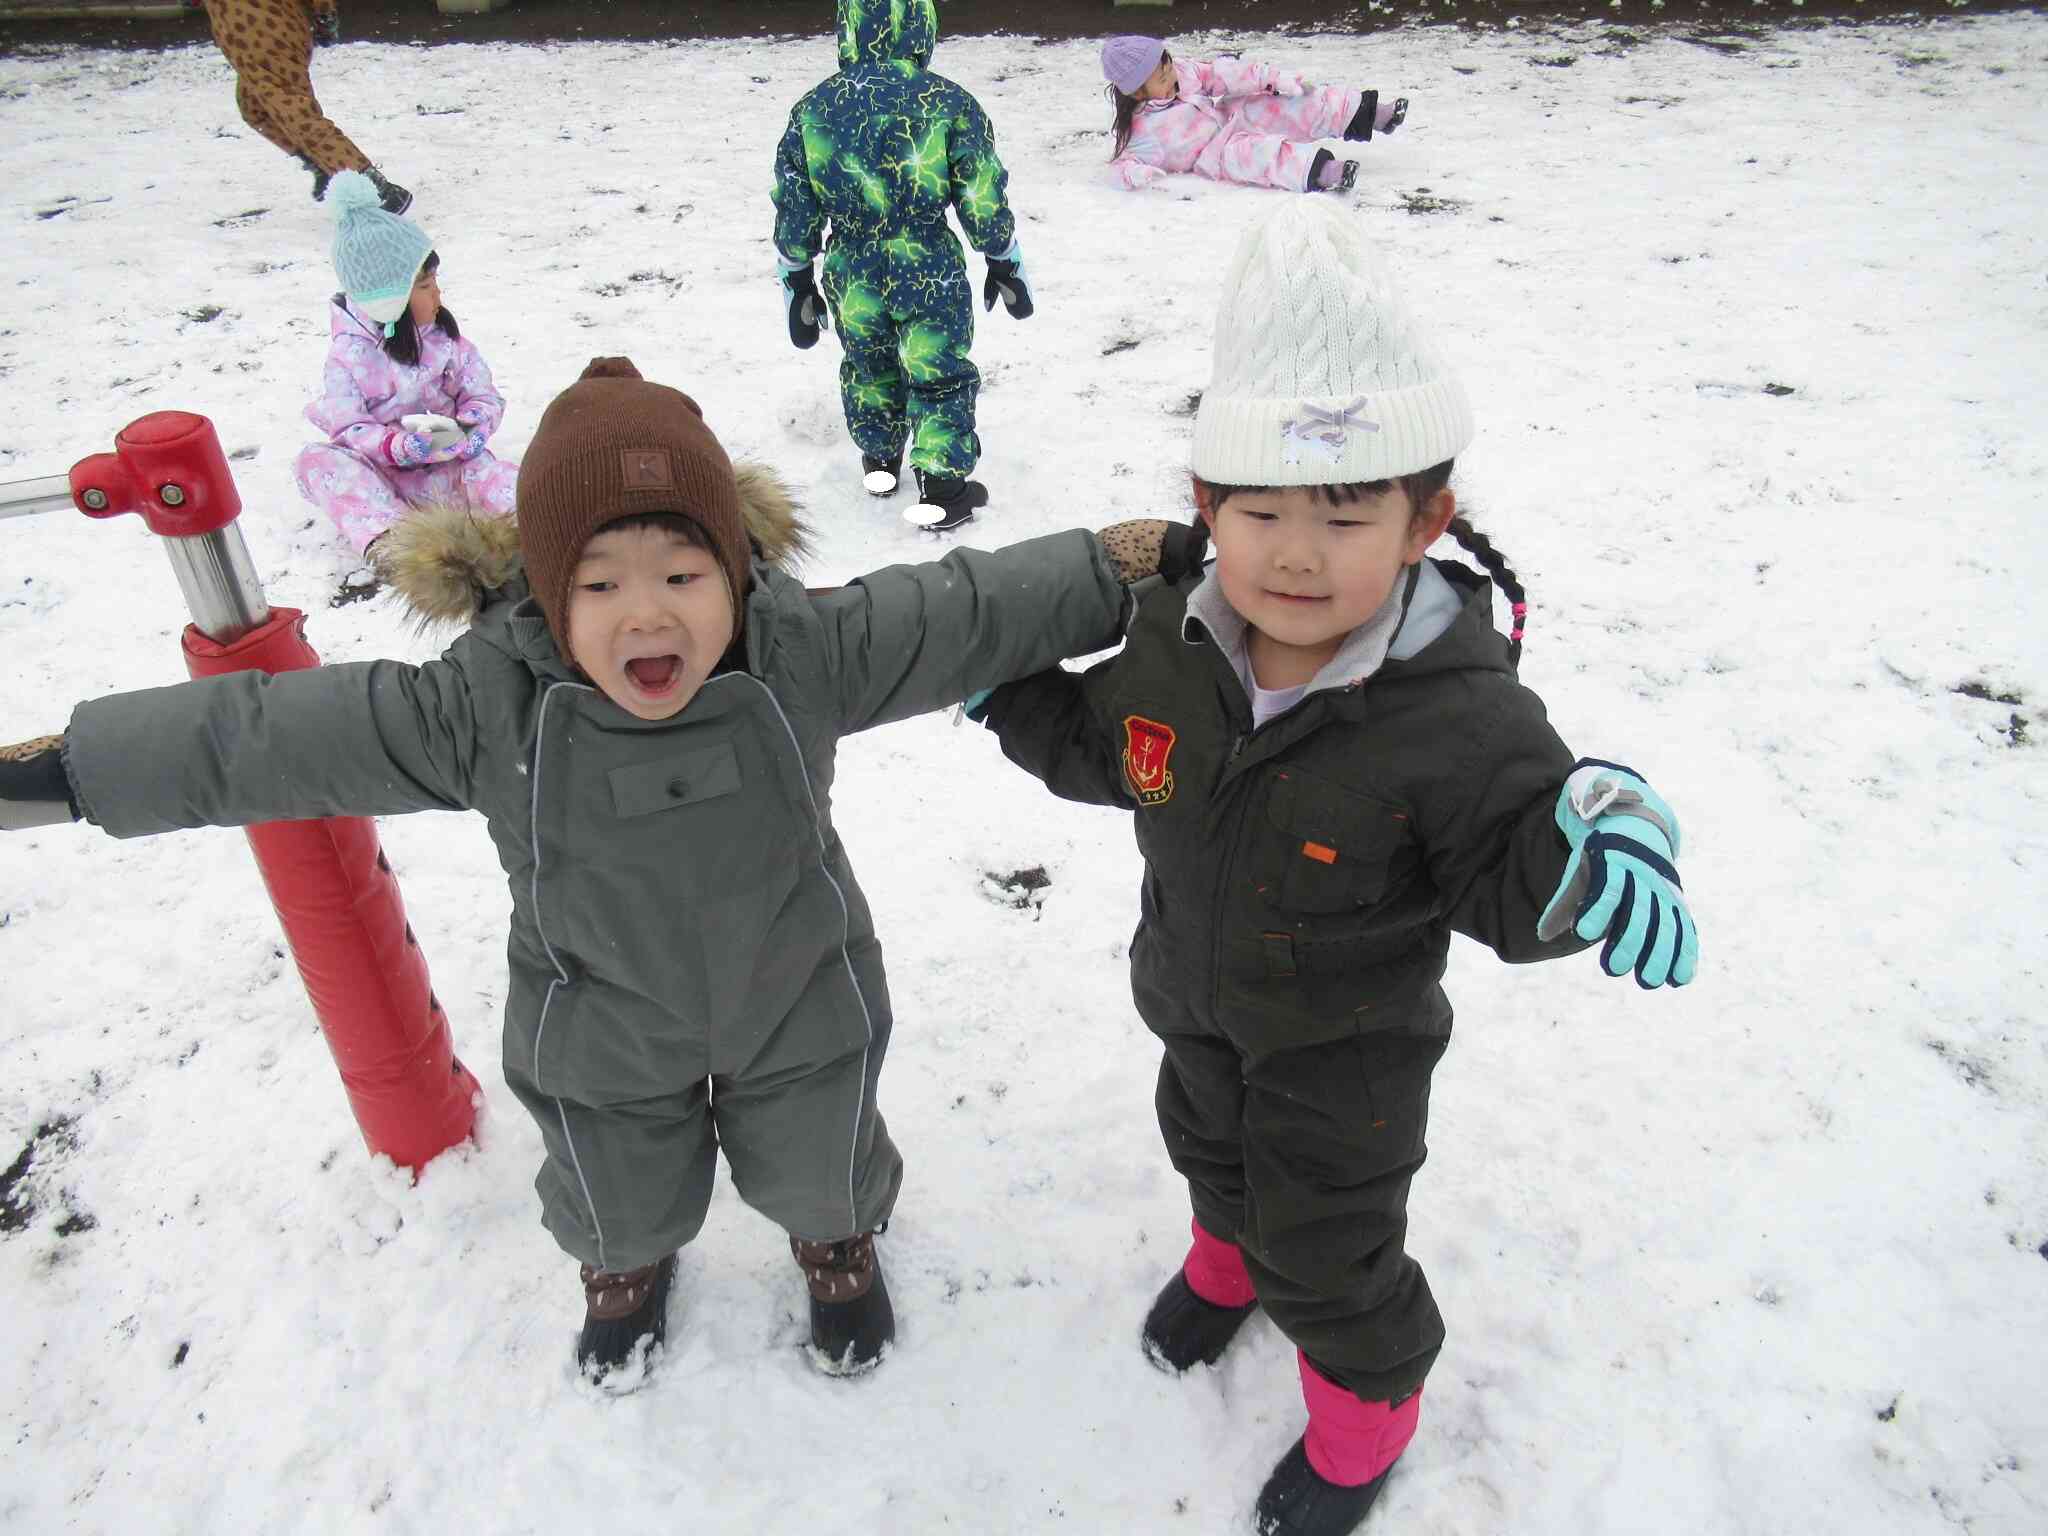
(540, 726)
(562, 975)
(845, 934)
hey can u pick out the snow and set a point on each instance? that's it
(1769, 1254)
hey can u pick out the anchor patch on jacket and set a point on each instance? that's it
(1147, 746)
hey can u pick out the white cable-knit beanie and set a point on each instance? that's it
(1320, 374)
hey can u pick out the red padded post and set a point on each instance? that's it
(328, 879)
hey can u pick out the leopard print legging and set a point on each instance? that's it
(270, 44)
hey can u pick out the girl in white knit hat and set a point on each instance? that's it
(1232, 119)
(1333, 768)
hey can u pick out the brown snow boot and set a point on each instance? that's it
(621, 1308)
(852, 1323)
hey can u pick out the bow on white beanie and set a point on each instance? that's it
(1320, 375)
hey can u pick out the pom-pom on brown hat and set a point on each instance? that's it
(613, 446)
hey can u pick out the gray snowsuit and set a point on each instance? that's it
(691, 959)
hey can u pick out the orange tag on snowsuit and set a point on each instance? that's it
(1319, 853)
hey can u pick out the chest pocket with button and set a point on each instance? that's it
(688, 778)
(1323, 848)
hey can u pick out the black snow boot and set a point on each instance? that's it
(881, 477)
(622, 1308)
(1360, 129)
(944, 503)
(391, 197)
(358, 586)
(320, 177)
(1296, 1500)
(1183, 1331)
(1346, 177)
(852, 1323)
(366, 580)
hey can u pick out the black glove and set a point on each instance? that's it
(807, 313)
(1185, 548)
(326, 28)
(34, 791)
(1006, 278)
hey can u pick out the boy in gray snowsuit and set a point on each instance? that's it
(648, 722)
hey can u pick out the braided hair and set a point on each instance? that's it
(1419, 488)
(1495, 564)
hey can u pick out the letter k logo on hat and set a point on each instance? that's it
(646, 469)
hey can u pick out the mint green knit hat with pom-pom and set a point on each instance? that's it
(376, 254)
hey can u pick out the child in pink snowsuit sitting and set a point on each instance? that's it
(1232, 120)
(407, 404)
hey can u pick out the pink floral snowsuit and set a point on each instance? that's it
(1236, 121)
(364, 392)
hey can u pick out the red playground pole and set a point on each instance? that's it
(332, 888)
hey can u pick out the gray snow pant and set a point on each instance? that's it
(628, 1181)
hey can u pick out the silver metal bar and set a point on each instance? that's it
(219, 582)
(25, 498)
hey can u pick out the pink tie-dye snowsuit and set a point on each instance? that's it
(1236, 121)
(364, 392)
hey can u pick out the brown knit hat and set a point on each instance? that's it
(612, 446)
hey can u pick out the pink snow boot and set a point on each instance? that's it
(1201, 1308)
(1326, 1483)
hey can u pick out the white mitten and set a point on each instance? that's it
(445, 433)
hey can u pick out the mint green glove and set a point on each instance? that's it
(1622, 877)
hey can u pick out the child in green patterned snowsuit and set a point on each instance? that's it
(878, 152)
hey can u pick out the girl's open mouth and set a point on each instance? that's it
(655, 674)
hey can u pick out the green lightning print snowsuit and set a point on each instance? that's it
(879, 151)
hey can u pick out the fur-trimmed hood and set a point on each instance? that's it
(449, 565)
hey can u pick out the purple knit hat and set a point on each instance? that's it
(1128, 61)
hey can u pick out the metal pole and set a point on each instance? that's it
(25, 498)
(219, 582)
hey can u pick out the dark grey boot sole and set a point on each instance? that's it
(851, 1338)
(1296, 1501)
(1183, 1331)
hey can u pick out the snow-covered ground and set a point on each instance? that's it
(1758, 340)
